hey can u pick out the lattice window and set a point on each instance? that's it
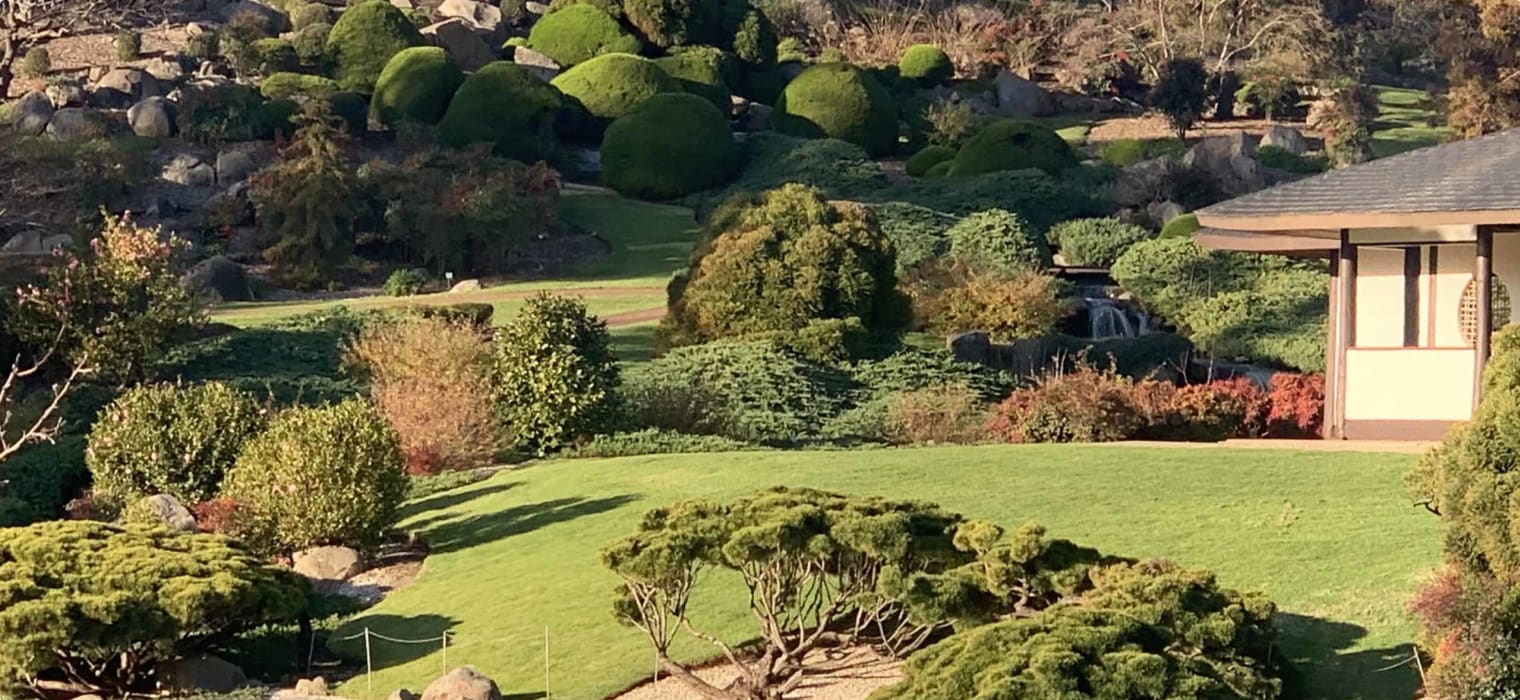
(1468, 314)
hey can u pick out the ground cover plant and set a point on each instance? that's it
(1260, 520)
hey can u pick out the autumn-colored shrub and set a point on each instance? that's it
(1297, 405)
(1086, 404)
(944, 414)
(431, 379)
(1008, 304)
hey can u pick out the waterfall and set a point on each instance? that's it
(1108, 318)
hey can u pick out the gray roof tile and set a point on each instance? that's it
(1481, 174)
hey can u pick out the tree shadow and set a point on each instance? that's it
(447, 535)
(450, 499)
(1321, 666)
(525, 696)
(393, 639)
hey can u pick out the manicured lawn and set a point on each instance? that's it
(648, 243)
(1328, 535)
(1405, 121)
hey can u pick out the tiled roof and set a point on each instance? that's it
(1481, 174)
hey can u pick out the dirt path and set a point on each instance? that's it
(1388, 446)
(629, 318)
(854, 675)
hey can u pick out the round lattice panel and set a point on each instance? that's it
(1468, 313)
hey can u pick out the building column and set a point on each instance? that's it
(1343, 335)
(1483, 276)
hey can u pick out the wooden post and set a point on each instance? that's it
(1330, 425)
(1345, 325)
(369, 668)
(1483, 275)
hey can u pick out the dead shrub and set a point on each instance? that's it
(431, 379)
(946, 414)
(878, 31)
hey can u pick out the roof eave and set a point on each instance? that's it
(1336, 221)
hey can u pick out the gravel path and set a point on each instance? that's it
(853, 676)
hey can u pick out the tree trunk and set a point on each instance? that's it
(703, 688)
(7, 66)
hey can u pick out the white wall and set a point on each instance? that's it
(1414, 384)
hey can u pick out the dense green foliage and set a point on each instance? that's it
(837, 100)
(305, 202)
(416, 86)
(40, 480)
(405, 282)
(172, 439)
(1232, 304)
(101, 607)
(705, 71)
(342, 459)
(997, 240)
(298, 359)
(918, 234)
(364, 39)
(669, 146)
(280, 86)
(1181, 93)
(505, 105)
(1095, 242)
(308, 14)
(928, 157)
(612, 85)
(556, 376)
(576, 33)
(926, 64)
(780, 260)
(1181, 226)
(1009, 144)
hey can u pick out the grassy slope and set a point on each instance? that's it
(1404, 121)
(1328, 536)
(648, 243)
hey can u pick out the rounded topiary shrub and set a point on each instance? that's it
(997, 240)
(309, 14)
(364, 39)
(505, 105)
(1010, 144)
(672, 145)
(555, 374)
(282, 86)
(927, 158)
(926, 64)
(328, 475)
(275, 56)
(170, 439)
(667, 23)
(1094, 242)
(755, 41)
(311, 43)
(577, 33)
(837, 100)
(1181, 226)
(415, 86)
(704, 71)
(938, 170)
(612, 85)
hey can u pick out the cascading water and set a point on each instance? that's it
(1109, 318)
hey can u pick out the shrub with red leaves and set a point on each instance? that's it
(216, 515)
(1297, 405)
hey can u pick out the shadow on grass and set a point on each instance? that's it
(1321, 666)
(417, 633)
(524, 696)
(634, 344)
(450, 499)
(448, 535)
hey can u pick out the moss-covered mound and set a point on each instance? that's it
(1009, 144)
(938, 170)
(1181, 226)
(415, 86)
(705, 71)
(577, 33)
(612, 85)
(927, 158)
(364, 39)
(671, 145)
(837, 100)
(925, 64)
(282, 85)
(503, 104)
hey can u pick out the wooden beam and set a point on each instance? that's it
(1483, 275)
(1329, 427)
(1345, 324)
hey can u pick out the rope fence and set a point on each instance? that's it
(443, 641)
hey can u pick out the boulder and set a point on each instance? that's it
(168, 510)
(123, 87)
(65, 93)
(327, 563)
(463, 683)
(1285, 137)
(1229, 160)
(539, 64)
(30, 114)
(166, 69)
(77, 124)
(463, 43)
(402, 694)
(1020, 97)
(465, 286)
(1139, 184)
(24, 243)
(204, 674)
(753, 117)
(218, 279)
(536, 8)
(234, 166)
(312, 688)
(277, 20)
(153, 118)
(403, 4)
(1159, 213)
(189, 170)
(481, 16)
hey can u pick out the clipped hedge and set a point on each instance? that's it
(1009, 144)
(837, 100)
(40, 480)
(1181, 226)
(577, 33)
(671, 145)
(416, 86)
(612, 85)
(505, 105)
(917, 233)
(998, 240)
(1095, 242)
(281, 86)
(927, 158)
(926, 64)
(364, 39)
(704, 71)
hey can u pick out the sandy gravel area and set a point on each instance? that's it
(851, 675)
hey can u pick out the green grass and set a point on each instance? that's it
(1328, 535)
(648, 242)
(1072, 128)
(1405, 121)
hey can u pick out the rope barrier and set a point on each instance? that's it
(442, 640)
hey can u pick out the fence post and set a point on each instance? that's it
(369, 667)
(546, 662)
(445, 651)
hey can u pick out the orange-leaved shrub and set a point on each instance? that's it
(948, 413)
(431, 379)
